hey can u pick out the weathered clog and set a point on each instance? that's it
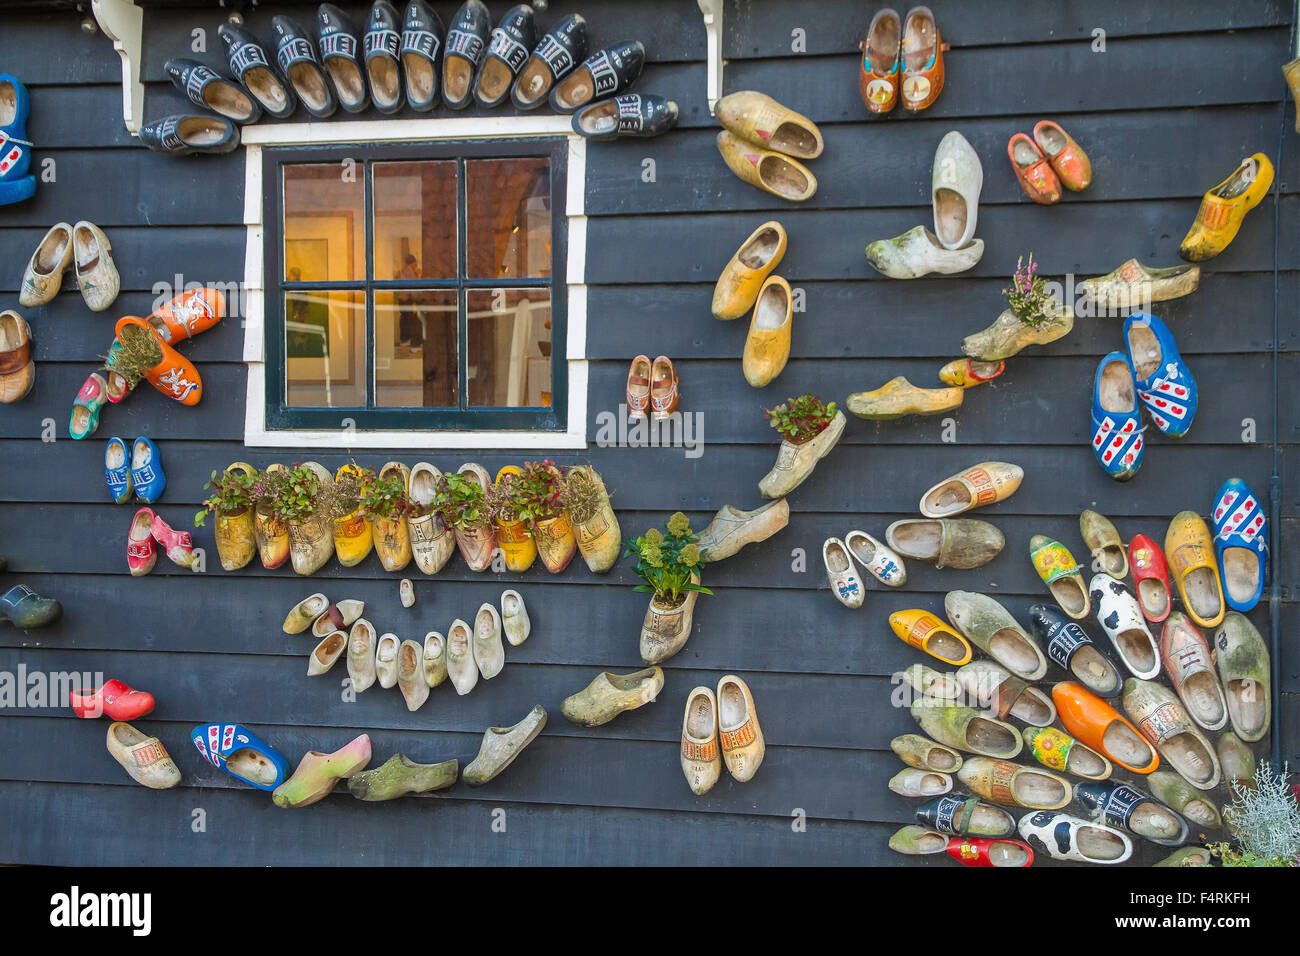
(913, 840)
(771, 172)
(1151, 576)
(928, 682)
(961, 814)
(1008, 336)
(502, 745)
(1069, 838)
(767, 346)
(24, 608)
(92, 256)
(1122, 807)
(916, 751)
(595, 526)
(609, 695)
(1120, 617)
(760, 120)
(143, 757)
(1033, 170)
(386, 660)
(737, 288)
(399, 776)
(1224, 208)
(700, 758)
(1164, 382)
(1099, 725)
(794, 462)
(1069, 161)
(1103, 540)
(304, 613)
(432, 542)
(918, 252)
(1243, 664)
(1013, 785)
(1190, 552)
(732, 529)
(1240, 543)
(947, 542)
(666, 627)
(911, 782)
(739, 735)
(927, 633)
(898, 397)
(326, 654)
(842, 574)
(1190, 666)
(319, 773)
(1062, 575)
(955, 183)
(434, 659)
(977, 486)
(1179, 795)
(1237, 761)
(966, 728)
(489, 653)
(1005, 695)
(1162, 720)
(362, 642)
(410, 675)
(1132, 287)
(1059, 751)
(990, 627)
(883, 564)
(477, 543)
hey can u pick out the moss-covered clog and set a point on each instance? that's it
(990, 627)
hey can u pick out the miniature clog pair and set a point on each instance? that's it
(609, 695)
(838, 555)
(762, 142)
(149, 530)
(17, 367)
(652, 387)
(1048, 161)
(1224, 208)
(83, 249)
(901, 60)
(728, 721)
(17, 183)
(1240, 543)
(141, 473)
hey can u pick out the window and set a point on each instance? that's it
(412, 286)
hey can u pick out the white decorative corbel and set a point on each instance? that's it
(712, 10)
(123, 23)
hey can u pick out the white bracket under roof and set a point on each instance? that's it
(123, 23)
(712, 10)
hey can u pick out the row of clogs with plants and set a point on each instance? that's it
(305, 515)
(410, 60)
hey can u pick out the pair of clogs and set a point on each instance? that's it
(841, 556)
(148, 531)
(726, 721)
(762, 142)
(902, 59)
(140, 473)
(652, 387)
(1048, 161)
(747, 283)
(82, 249)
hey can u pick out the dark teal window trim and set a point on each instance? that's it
(281, 416)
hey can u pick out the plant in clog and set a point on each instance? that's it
(384, 503)
(117, 472)
(955, 183)
(86, 407)
(1133, 287)
(1190, 666)
(960, 814)
(595, 526)
(1069, 838)
(1061, 573)
(1121, 618)
(399, 775)
(670, 566)
(1103, 540)
(1179, 795)
(1033, 317)
(737, 287)
(918, 252)
(145, 355)
(977, 486)
(241, 753)
(1099, 725)
(502, 745)
(518, 548)
(764, 169)
(270, 531)
(16, 182)
(1160, 716)
(926, 632)
(1013, 785)
(1224, 208)
(946, 542)
(882, 66)
(898, 398)
(144, 758)
(966, 728)
(967, 373)
(808, 430)
(303, 499)
(1033, 170)
(432, 542)
(538, 499)
(843, 576)
(995, 689)
(767, 346)
(1067, 157)
(1122, 807)
(1117, 440)
(231, 500)
(758, 119)
(916, 751)
(609, 695)
(1240, 543)
(1151, 576)
(883, 564)
(318, 774)
(462, 503)
(1069, 645)
(1195, 572)
(1164, 383)
(352, 531)
(1243, 664)
(910, 782)
(1059, 751)
(990, 627)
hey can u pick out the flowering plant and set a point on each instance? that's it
(351, 485)
(460, 502)
(1028, 297)
(669, 564)
(232, 492)
(800, 419)
(385, 497)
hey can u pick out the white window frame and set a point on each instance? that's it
(254, 138)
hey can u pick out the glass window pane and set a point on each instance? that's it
(324, 223)
(325, 349)
(415, 349)
(508, 218)
(415, 220)
(509, 347)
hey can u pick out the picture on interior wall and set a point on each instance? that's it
(307, 322)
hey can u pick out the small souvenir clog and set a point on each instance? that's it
(117, 471)
(840, 571)
(1240, 543)
(87, 405)
(146, 470)
(883, 564)
(881, 71)
(141, 552)
(1033, 171)
(967, 373)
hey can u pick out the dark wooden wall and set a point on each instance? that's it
(1183, 91)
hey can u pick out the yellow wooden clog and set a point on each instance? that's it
(1224, 208)
(928, 633)
(517, 546)
(767, 346)
(737, 287)
(1189, 549)
(353, 536)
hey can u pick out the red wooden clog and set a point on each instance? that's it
(987, 851)
(1151, 577)
(115, 700)
(1036, 176)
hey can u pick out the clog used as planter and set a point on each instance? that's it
(327, 653)
(990, 627)
(1122, 807)
(241, 753)
(760, 120)
(432, 542)
(739, 735)
(1103, 540)
(961, 814)
(114, 700)
(514, 617)
(946, 542)
(732, 529)
(1069, 645)
(916, 751)
(1006, 695)
(764, 169)
(1164, 383)
(1120, 617)
(143, 757)
(1133, 286)
(1059, 751)
(399, 776)
(898, 397)
(639, 115)
(477, 544)
(87, 405)
(17, 370)
(1184, 799)
(913, 840)
(1240, 543)
(927, 633)
(1008, 336)
(767, 346)
(44, 273)
(434, 662)
(1013, 785)
(24, 608)
(977, 486)
(311, 539)
(920, 783)
(794, 462)
(489, 654)
(595, 526)
(1224, 207)
(461, 667)
(501, 745)
(410, 675)
(1190, 552)
(607, 72)
(556, 544)
(1033, 170)
(609, 695)
(362, 646)
(882, 563)
(1099, 725)
(1160, 716)
(392, 539)
(174, 375)
(386, 660)
(918, 252)
(955, 184)
(700, 758)
(1242, 660)
(842, 574)
(1065, 837)
(1062, 575)
(556, 56)
(667, 626)
(1237, 761)
(319, 773)
(1151, 576)
(882, 67)
(982, 851)
(1069, 161)
(922, 60)
(1190, 666)
(737, 288)
(236, 541)
(967, 373)
(353, 532)
(518, 549)
(966, 728)
(270, 533)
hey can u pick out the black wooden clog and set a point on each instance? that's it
(182, 135)
(383, 42)
(340, 55)
(250, 66)
(610, 71)
(555, 57)
(512, 41)
(632, 114)
(466, 46)
(422, 37)
(296, 55)
(207, 88)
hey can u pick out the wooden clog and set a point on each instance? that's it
(1100, 726)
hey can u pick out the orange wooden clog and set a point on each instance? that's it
(1036, 176)
(188, 314)
(928, 633)
(1099, 726)
(663, 388)
(880, 75)
(174, 375)
(922, 59)
(1067, 157)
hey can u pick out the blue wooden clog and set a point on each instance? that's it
(16, 184)
(1116, 422)
(242, 754)
(117, 473)
(146, 470)
(1165, 385)
(1241, 543)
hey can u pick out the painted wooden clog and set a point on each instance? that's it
(977, 486)
(928, 633)
(983, 851)
(392, 539)
(1190, 666)
(1033, 171)
(922, 53)
(1117, 440)
(1067, 158)
(239, 752)
(700, 758)
(1057, 750)
(1099, 725)
(1224, 208)
(1121, 618)
(1151, 576)
(842, 573)
(595, 526)
(739, 734)
(1243, 664)
(353, 533)
(1065, 837)
(881, 71)
(1240, 543)
(1069, 646)
(767, 346)
(319, 773)
(143, 757)
(1190, 552)
(1122, 807)
(518, 549)
(1164, 383)
(666, 627)
(882, 563)
(1160, 716)
(432, 542)
(967, 373)
(1062, 575)
(1013, 785)
(963, 815)
(737, 287)
(1103, 540)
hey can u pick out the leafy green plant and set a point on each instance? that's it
(349, 489)
(536, 494)
(667, 562)
(460, 502)
(801, 419)
(385, 497)
(293, 494)
(1028, 297)
(1265, 820)
(232, 492)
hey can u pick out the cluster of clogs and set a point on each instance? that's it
(902, 60)
(409, 59)
(762, 142)
(1047, 162)
(720, 728)
(747, 283)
